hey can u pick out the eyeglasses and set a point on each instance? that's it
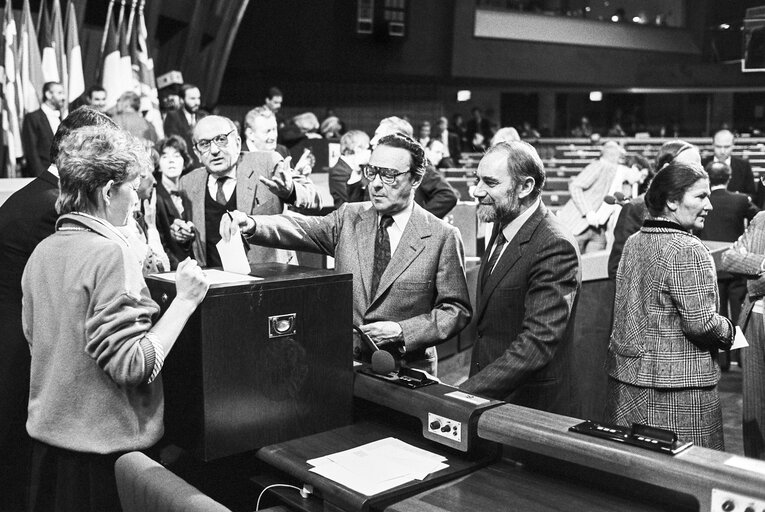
(220, 140)
(387, 176)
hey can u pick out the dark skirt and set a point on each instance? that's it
(753, 361)
(63, 480)
(694, 414)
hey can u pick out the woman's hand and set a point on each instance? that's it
(190, 282)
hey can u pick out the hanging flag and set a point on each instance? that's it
(111, 77)
(142, 61)
(32, 80)
(126, 66)
(42, 19)
(11, 125)
(59, 43)
(48, 50)
(73, 56)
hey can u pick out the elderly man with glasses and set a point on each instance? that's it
(409, 288)
(258, 183)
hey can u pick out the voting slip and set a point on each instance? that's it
(232, 254)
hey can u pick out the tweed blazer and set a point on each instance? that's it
(587, 190)
(423, 287)
(524, 319)
(745, 257)
(252, 198)
(665, 314)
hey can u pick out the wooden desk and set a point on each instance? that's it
(290, 457)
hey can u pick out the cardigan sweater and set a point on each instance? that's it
(665, 315)
(86, 314)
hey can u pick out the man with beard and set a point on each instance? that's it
(39, 127)
(527, 288)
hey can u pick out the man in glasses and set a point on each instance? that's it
(409, 288)
(255, 183)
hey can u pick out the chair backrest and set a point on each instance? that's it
(146, 486)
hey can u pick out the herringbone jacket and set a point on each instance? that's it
(665, 315)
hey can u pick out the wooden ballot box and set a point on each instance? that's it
(260, 362)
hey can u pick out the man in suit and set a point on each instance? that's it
(230, 181)
(39, 127)
(434, 193)
(741, 178)
(409, 288)
(527, 288)
(26, 218)
(346, 184)
(260, 132)
(725, 223)
(451, 142)
(181, 122)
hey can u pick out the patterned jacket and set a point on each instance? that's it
(746, 257)
(665, 315)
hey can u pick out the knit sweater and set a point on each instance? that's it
(86, 312)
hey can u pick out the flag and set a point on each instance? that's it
(111, 77)
(144, 60)
(10, 114)
(76, 84)
(32, 80)
(48, 50)
(126, 65)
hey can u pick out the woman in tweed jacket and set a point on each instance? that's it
(747, 257)
(661, 359)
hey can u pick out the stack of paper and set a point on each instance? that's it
(376, 467)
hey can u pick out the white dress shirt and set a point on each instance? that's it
(228, 186)
(395, 230)
(53, 115)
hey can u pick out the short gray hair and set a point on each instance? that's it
(89, 158)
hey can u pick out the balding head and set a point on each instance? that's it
(612, 152)
(723, 144)
(217, 144)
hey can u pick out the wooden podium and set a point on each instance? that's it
(261, 362)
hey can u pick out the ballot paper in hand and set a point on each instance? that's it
(739, 341)
(379, 466)
(232, 254)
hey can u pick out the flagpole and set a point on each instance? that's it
(134, 4)
(121, 16)
(106, 29)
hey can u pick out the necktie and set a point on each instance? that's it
(382, 251)
(220, 196)
(499, 244)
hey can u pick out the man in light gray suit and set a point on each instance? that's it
(258, 183)
(527, 287)
(409, 288)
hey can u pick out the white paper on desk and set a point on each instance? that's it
(232, 254)
(214, 276)
(347, 478)
(746, 464)
(739, 341)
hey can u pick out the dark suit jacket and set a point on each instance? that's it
(524, 319)
(741, 177)
(435, 194)
(629, 222)
(725, 222)
(339, 188)
(27, 217)
(166, 214)
(176, 124)
(36, 138)
(252, 198)
(423, 287)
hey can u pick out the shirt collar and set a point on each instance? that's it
(402, 217)
(53, 170)
(515, 225)
(50, 111)
(718, 187)
(726, 161)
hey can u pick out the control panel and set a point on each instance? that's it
(445, 427)
(726, 501)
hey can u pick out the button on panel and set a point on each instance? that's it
(726, 501)
(445, 427)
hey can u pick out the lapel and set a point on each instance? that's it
(246, 186)
(513, 252)
(49, 178)
(409, 247)
(166, 200)
(366, 223)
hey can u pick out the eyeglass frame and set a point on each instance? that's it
(221, 144)
(387, 180)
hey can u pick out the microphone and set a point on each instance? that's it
(366, 339)
(383, 362)
(618, 199)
